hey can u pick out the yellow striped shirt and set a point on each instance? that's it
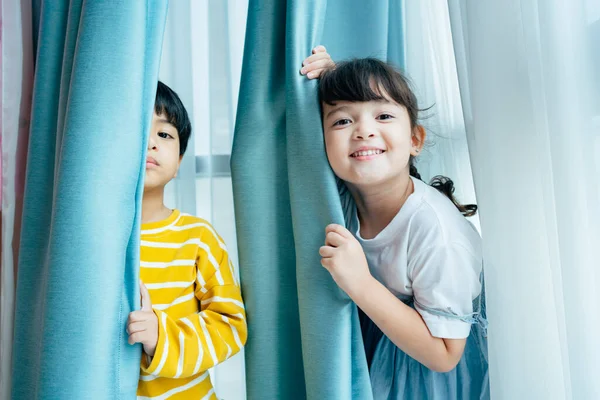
(198, 302)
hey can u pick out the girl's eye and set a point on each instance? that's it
(165, 135)
(385, 116)
(342, 122)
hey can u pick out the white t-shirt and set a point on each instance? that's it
(431, 253)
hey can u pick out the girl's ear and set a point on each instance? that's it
(418, 139)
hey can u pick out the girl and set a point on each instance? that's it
(410, 260)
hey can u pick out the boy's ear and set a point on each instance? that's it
(178, 165)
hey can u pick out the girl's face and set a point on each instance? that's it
(369, 143)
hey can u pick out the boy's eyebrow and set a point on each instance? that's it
(166, 121)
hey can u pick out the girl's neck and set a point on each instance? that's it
(153, 207)
(377, 206)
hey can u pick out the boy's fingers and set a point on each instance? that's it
(136, 338)
(146, 302)
(136, 327)
(136, 316)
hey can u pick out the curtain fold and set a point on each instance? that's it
(304, 334)
(17, 82)
(95, 78)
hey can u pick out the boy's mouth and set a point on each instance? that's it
(150, 161)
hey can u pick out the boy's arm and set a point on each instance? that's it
(202, 340)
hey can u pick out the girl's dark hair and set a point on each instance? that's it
(368, 79)
(169, 104)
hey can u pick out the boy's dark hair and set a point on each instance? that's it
(169, 105)
(368, 79)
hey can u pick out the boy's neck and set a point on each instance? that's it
(153, 206)
(377, 206)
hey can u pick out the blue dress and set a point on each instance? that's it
(397, 376)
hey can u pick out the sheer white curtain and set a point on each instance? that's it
(202, 62)
(431, 68)
(529, 79)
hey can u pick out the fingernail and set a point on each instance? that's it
(311, 74)
(303, 71)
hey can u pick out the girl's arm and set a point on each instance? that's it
(344, 258)
(405, 327)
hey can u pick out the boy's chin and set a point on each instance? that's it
(153, 186)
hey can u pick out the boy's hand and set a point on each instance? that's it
(345, 259)
(314, 65)
(142, 326)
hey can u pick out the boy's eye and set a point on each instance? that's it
(342, 122)
(385, 116)
(165, 135)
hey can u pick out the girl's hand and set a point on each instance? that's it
(314, 65)
(345, 259)
(142, 326)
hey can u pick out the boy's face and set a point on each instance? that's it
(162, 160)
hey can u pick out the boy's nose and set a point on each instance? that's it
(151, 144)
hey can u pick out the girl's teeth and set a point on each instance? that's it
(367, 153)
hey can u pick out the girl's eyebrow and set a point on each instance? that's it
(336, 109)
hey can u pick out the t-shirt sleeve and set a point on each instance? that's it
(445, 280)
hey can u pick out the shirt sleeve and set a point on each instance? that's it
(445, 281)
(199, 341)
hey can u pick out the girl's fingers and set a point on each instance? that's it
(326, 251)
(339, 229)
(326, 263)
(319, 49)
(316, 57)
(334, 239)
(317, 65)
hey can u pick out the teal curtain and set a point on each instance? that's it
(304, 334)
(95, 81)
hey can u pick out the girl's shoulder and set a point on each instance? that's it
(436, 221)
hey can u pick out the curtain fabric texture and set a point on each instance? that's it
(17, 82)
(304, 334)
(96, 68)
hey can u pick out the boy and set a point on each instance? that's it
(192, 315)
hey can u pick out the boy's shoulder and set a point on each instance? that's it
(189, 219)
(196, 227)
